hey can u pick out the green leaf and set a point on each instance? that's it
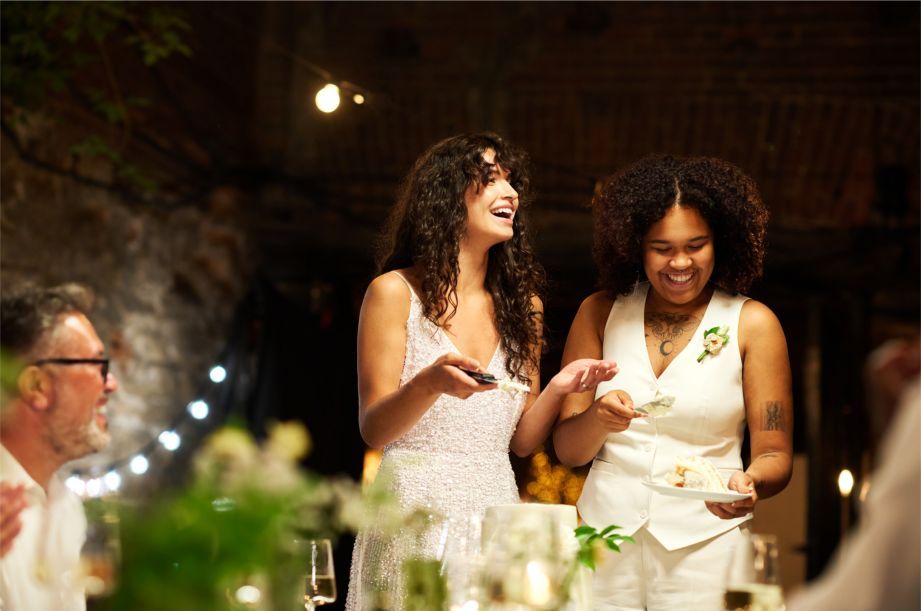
(609, 529)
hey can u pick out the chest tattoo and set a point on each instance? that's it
(668, 327)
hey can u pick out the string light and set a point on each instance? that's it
(327, 98)
(139, 464)
(95, 487)
(198, 409)
(358, 99)
(217, 374)
(76, 484)
(86, 485)
(112, 480)
(170, 440)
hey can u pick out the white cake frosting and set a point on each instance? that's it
(696, 472)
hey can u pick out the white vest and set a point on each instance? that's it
(707, 419)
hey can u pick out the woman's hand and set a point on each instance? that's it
(583, 375)
(12, 502)
(444, 376)
(614, 411)
(739, 482)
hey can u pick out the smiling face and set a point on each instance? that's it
(76, 423)
(678, 255)
(491, 207)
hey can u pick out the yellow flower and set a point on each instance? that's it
(288, 440)
(230, 445)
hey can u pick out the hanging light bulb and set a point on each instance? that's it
(327, 98)
(358, 99)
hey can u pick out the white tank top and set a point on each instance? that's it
(707, 419)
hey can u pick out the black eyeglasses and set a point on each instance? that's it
(62, 361)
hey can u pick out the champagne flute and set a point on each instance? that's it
(320, 583)
(753, 580)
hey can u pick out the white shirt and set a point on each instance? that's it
(40, 572)
(879, 566)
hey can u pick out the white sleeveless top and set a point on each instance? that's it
(707, 419)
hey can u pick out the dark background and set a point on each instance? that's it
(818, 102)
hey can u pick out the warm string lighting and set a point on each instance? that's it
(329, 97)
(169, 439)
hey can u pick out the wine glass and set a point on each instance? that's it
(320, 582)
(753, 579)
(100, 555)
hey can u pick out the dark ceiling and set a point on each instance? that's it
(818, 101)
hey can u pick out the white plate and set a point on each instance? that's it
(699, 495)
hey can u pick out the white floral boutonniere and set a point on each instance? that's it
(714, 340)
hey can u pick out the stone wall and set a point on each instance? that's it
(166, 280)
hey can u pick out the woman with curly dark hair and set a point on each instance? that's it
(447, 332)
(676, 242)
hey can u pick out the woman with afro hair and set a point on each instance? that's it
(677, 240)
(458, 297)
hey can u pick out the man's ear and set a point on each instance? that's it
(34, 386)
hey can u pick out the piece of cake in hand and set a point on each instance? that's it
(696, 472)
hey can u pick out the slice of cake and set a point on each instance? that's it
(696, 472)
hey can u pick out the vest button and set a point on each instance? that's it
(643, 514)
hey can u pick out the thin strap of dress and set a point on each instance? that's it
(412, 293)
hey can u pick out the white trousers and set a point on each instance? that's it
(646, 576)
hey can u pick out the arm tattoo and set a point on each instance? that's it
(669, 326)
(772, 417)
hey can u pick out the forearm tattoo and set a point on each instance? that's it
(772, 417)
(669, 326)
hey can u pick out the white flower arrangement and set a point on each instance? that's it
(233, 523)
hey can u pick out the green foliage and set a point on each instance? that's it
(590, 540)
(233, 524)
(96, 146)
(46, 44)
(53, 49)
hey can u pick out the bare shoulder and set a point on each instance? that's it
(388, 291)
(757, 317)
(758, 325)
(596, 307)
(536, 304)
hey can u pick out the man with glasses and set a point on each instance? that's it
(53, 411)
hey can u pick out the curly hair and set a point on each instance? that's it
(638, 196)
(426, 227)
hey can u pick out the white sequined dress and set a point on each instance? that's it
(453, 462)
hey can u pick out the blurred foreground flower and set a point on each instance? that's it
(231, 529)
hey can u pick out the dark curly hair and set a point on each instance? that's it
(426, 227)
(635, 198)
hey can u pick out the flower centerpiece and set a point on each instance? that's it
(536, 557)
(232, 527)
